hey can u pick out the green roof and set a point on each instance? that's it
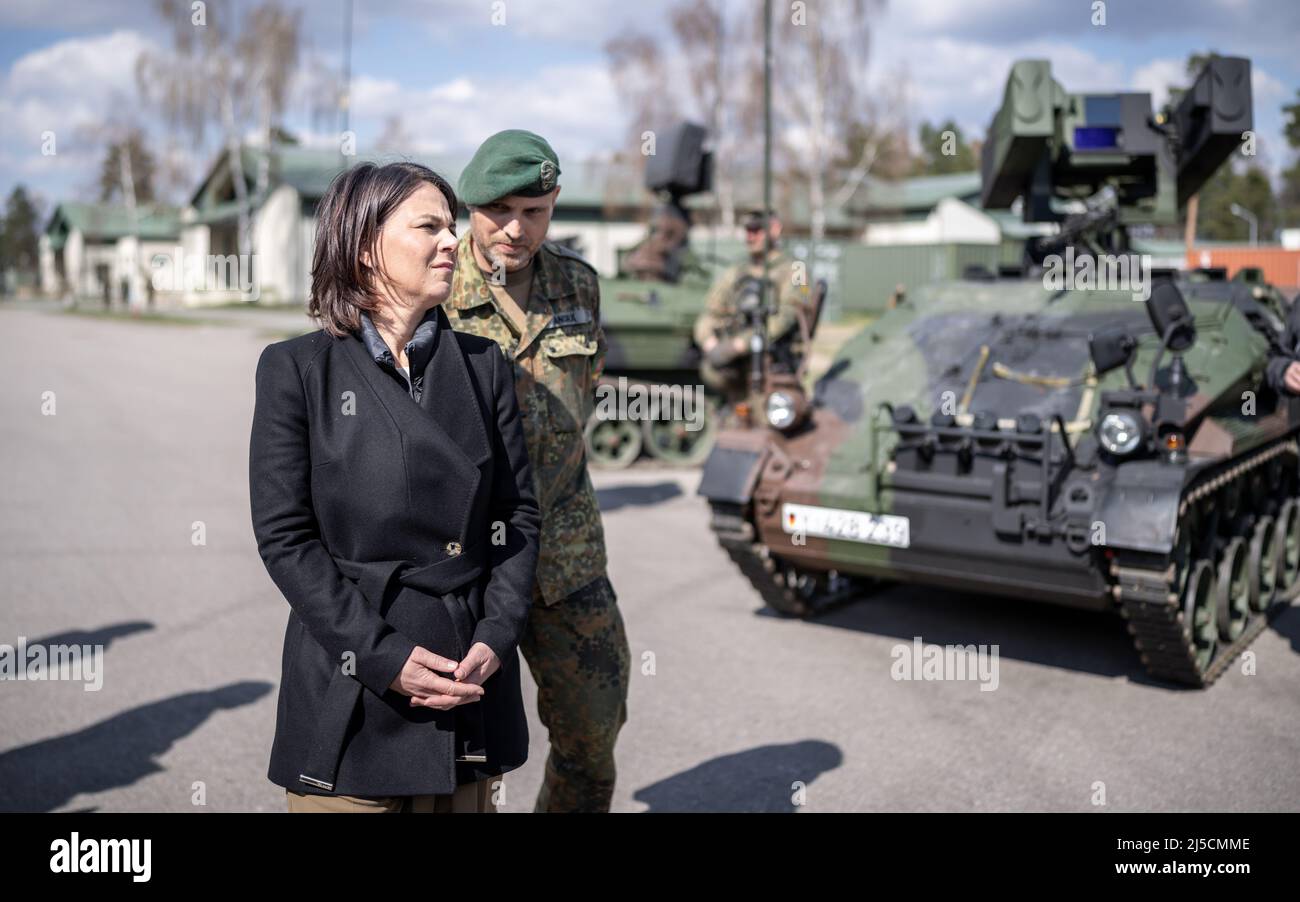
(911, 198)
(922, 193)
(591, 184)
(309, 171)
(108, 222)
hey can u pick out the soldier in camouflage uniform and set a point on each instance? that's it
(541, 303)
(722, 330)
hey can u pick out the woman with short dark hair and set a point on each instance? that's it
(393, 507)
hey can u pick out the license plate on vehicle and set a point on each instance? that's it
(852, 526)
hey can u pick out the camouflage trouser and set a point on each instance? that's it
(578, 654)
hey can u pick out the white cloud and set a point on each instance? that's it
(1157, 76)
(573, 106)
(79, 67)
(965, 79)
(589, 22)
(460, 90)
(67, 89)
(957, 54)
(1265, 89)
(375, 96)
(70, 85)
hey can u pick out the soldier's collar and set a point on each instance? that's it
(551, 279)
(468, 287)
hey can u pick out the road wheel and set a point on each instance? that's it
(672, 441)
(1232, 602)
(1263, 564)
(1287, 538)
(612, 444)
(1199, 614)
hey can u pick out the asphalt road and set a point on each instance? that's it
(730, 708)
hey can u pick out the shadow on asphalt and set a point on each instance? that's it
(115, 752)
(614, 497)
(759, 779)
(1287, 625)
(104, 636)
(1046, 634)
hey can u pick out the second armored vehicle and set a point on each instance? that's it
(1092, 433)
(648, 311)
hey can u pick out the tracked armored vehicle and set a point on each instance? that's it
(1073, 434)
(648, 312)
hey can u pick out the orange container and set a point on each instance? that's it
(1280, 266)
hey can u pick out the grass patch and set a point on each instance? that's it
(280, 334)
(125, 316)
(277, 307)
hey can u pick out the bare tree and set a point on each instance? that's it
(225, 73)
(323, 90)
(395, 138)
(127, 169)
(124, 154)
(824, 101)
(718, 60)
(719, 57)
(267, 51)
(641, 79)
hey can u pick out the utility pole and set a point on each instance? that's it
(1241, 212)
(759, 344)
(345, 97)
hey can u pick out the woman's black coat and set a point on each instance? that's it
(387, 524)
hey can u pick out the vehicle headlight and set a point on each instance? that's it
(1120, 432)
(781, 410)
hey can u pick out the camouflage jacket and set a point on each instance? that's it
(557, 361)
(722, 314)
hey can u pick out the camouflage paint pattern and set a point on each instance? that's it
(648, 325)
(931, 345)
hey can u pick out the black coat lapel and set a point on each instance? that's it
(445, 443)
(449, 395)
(448, 420)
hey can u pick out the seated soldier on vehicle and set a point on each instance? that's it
(724, 329)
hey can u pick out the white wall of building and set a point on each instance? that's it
(951, 221)
(278, 263)
(599, 242)
(285, 239)
(279, 272)
(51, 282)
(92, 268)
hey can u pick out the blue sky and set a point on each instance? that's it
(454, 77)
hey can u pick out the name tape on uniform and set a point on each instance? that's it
(569, 318)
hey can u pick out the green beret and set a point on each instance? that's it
(510, 162)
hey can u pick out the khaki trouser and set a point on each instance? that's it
(469, 798)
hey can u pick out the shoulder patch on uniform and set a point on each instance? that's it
(561, 250)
